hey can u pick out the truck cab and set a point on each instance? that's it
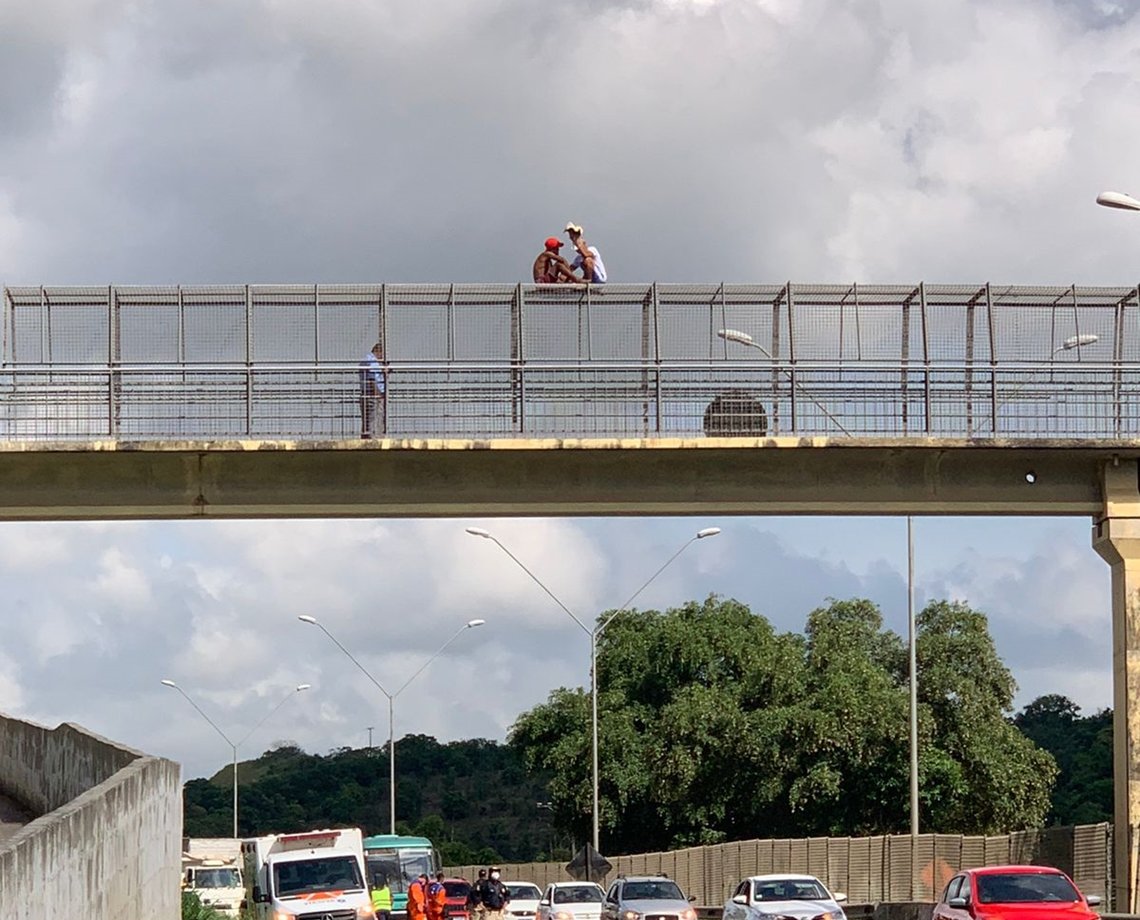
(217, 883)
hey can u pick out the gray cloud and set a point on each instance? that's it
(696, 140)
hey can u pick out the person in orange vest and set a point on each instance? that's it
(436, 898)
(417, 898)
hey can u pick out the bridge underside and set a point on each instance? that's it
(457, 478)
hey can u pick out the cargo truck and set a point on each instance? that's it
(211, 868)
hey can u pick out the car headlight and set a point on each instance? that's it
(563, 915)
(283, 915)
(630, 915)
(688, 914)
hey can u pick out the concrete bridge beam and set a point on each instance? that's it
(1116, 537)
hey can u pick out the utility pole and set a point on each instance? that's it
(370, 737)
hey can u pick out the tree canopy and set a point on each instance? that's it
(714, 726)
(1082, 747)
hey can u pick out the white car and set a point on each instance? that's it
(796, 897)
(524, 898)
(571, 901)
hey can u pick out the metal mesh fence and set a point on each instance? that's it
(523, 361)
(867, 869)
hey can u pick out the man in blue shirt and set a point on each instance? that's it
(373, 393)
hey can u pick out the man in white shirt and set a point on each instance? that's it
(373, 393)
(588, 258)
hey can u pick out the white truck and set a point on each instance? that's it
(211, 868)
(316, 875)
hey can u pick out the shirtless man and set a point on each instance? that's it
(550, 267)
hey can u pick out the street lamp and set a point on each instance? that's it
(470, 624)
(1077, 341)
(912, 664)
(743, 338)
(593, 634)
(234, 747)
(1118, 200)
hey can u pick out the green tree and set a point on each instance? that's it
(984, 775)
(194, 909)
(714, 726)
(1082, 747)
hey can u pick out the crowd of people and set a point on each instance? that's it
(427, 897)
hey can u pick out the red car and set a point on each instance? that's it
(457, 890)
(1014, 893)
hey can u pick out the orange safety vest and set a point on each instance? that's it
(438, 901)
(417, 900)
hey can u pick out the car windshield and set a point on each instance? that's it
(524, 892)
(217, 878)
(651, 891)
(578, 894)
(457, 889)
(329, 873)
(1025, 886)
(790, 890)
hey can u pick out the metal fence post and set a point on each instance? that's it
(792, 357)
(925, 352)
(114, 375)
(248, 362)
(993, 361)
(657, 352)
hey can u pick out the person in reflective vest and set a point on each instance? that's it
(382, 900)
(417, 899)
(436, 898)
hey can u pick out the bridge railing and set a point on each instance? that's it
(492, 361)
(568, 400)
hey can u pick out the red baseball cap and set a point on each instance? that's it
(553, 242)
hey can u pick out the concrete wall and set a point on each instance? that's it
(869, 870)
(108, 844)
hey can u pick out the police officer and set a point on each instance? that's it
(475, 897)
(494, 896)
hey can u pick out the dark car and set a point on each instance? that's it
(1014, 893)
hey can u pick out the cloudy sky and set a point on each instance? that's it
(373, 140)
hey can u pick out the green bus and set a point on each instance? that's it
(398, 860)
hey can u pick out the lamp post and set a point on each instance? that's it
(912, 654)
(593, 634)
(1118, 200)
(470, 624)
(743, 338)
(234, 746)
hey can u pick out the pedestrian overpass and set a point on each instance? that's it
(244, 401)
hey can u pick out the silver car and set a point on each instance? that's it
(788, 897)
(571, 901)
(646, 897)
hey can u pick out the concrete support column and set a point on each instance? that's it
(1116, 537)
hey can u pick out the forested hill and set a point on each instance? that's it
(1082, 747)
(714, 726)
(472, 798)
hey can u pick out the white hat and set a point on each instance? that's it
(572, 227)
